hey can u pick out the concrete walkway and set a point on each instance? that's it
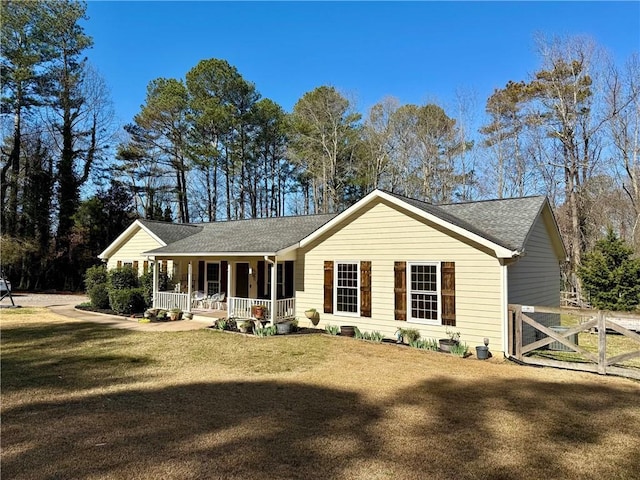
(65, 305)
(129, 323)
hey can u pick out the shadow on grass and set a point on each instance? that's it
(441, 428)
(68, 356)
(523, 428)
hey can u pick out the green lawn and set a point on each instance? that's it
(82, 401)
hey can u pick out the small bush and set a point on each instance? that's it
(99, 295)
(146, 284)
(96, 275)
(95, 280)
(122, 278)
(127, 300)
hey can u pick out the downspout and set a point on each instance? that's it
(274, 281)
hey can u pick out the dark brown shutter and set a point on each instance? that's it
(261, 285)
(288, 278)
(223, 277)
(400, 290)
(145, 266)
(119, 264)
(365, 289)
(135, 266)
(201, 276)
(164, 267)
(448, 293)
(328, 286)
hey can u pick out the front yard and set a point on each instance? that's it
(84, 401)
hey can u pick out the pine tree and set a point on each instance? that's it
(611, 276)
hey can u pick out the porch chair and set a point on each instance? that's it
(197, 299)
(220, 301)
(212, 300)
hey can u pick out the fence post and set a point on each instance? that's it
(518, 331)
(602, 343)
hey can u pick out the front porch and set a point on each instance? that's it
(228, 287)
(236, 307)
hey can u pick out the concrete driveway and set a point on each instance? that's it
(64, 304)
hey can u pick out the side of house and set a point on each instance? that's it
(384, 268)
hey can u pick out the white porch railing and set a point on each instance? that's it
(241, 308)
(169, 300)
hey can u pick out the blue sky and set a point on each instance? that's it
(415, 51)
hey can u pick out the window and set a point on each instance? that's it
(213, 278)
(347, 287)
(424, 288)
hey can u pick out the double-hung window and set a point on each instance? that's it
(347, 292)
(213, 278)
(424, 290)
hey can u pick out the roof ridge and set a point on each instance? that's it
(487, 200)
(311, 215)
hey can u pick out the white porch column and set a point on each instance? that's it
(274, 289)
(155, 283)
(189, 277)
(228, 293)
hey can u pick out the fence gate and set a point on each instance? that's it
(549, 337)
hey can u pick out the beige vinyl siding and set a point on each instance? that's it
(535, 278)
(383, 234)
(132, 249)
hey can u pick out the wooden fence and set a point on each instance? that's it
(599, 321)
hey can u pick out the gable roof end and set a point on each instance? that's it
(162, 232)
(455, 217)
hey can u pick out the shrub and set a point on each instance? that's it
(126, 301)
(99, 296)
(96, 275)
(95, 280)
(122, 278)
(146, 284)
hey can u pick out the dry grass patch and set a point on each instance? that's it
(84, 401)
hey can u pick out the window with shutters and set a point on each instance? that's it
(423, 281)
(347, 288)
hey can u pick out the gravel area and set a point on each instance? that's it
(43, 299)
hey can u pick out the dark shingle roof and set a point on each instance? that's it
(262, 235)
(506, 222)
(170, 232)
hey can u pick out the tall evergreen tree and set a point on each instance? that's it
(610, 275)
